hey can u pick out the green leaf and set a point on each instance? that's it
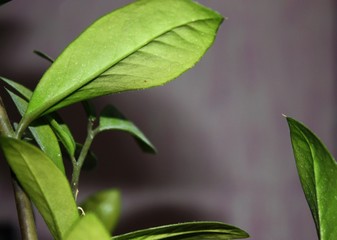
(189, 230)
(60, 128)
(88, 228)
(317, 170)
(63, 132)
(42, 133)
(24, 91)
(142, 45)
(45, 184)
(106, 206)
(112, 119)
(44, 56)
(4, 1)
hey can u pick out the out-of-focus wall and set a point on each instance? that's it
(224, 148)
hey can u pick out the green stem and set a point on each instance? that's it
(77, 165)
(23, 203)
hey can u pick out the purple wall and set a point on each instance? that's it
(224, 148)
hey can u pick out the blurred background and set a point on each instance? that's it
(224, 148)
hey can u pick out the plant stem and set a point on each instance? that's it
(77, 165)
(23, 204)
(25, 212)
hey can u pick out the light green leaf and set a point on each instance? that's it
(42, 133)
(63, 132)
(45, 184)
(112, 119)
(106, 205)
(142, 45)
(88, 228)
(189, 230)
(60, 128)
(318, 174)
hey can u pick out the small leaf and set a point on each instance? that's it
(144, 44)
(44, 56)
(42, 133)
(112, 119)
(106, 206)
(63, 132)
(317, 170)
(88, 228)
(60, 128)
(45, 184)
(24, 91)
(189, 230)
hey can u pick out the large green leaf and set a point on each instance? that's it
(112, 119)
(106, 205)
(88, 228)
(141, 45)
(318, 174)
(60, 128)
(45, 184)
(184, 231)
(42, 133)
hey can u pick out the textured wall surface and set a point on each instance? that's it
(224, 149)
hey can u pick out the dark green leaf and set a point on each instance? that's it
(89, 110)
(42, 133)
(184, 231)
(106, 206)
(45, 184)
(112, 119)
(4, 1)
(141, 45)
(88, 228)
(44, 56)
(60, 128)
(318, 174)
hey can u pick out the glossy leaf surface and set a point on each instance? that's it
(144, 44)
(88, 227)
(42, 133)
(184, 231)
(45, 184)
(318, 174)
(112, 119)
(106, 205)
(61, 129)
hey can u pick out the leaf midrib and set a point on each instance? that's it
(315, 178)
